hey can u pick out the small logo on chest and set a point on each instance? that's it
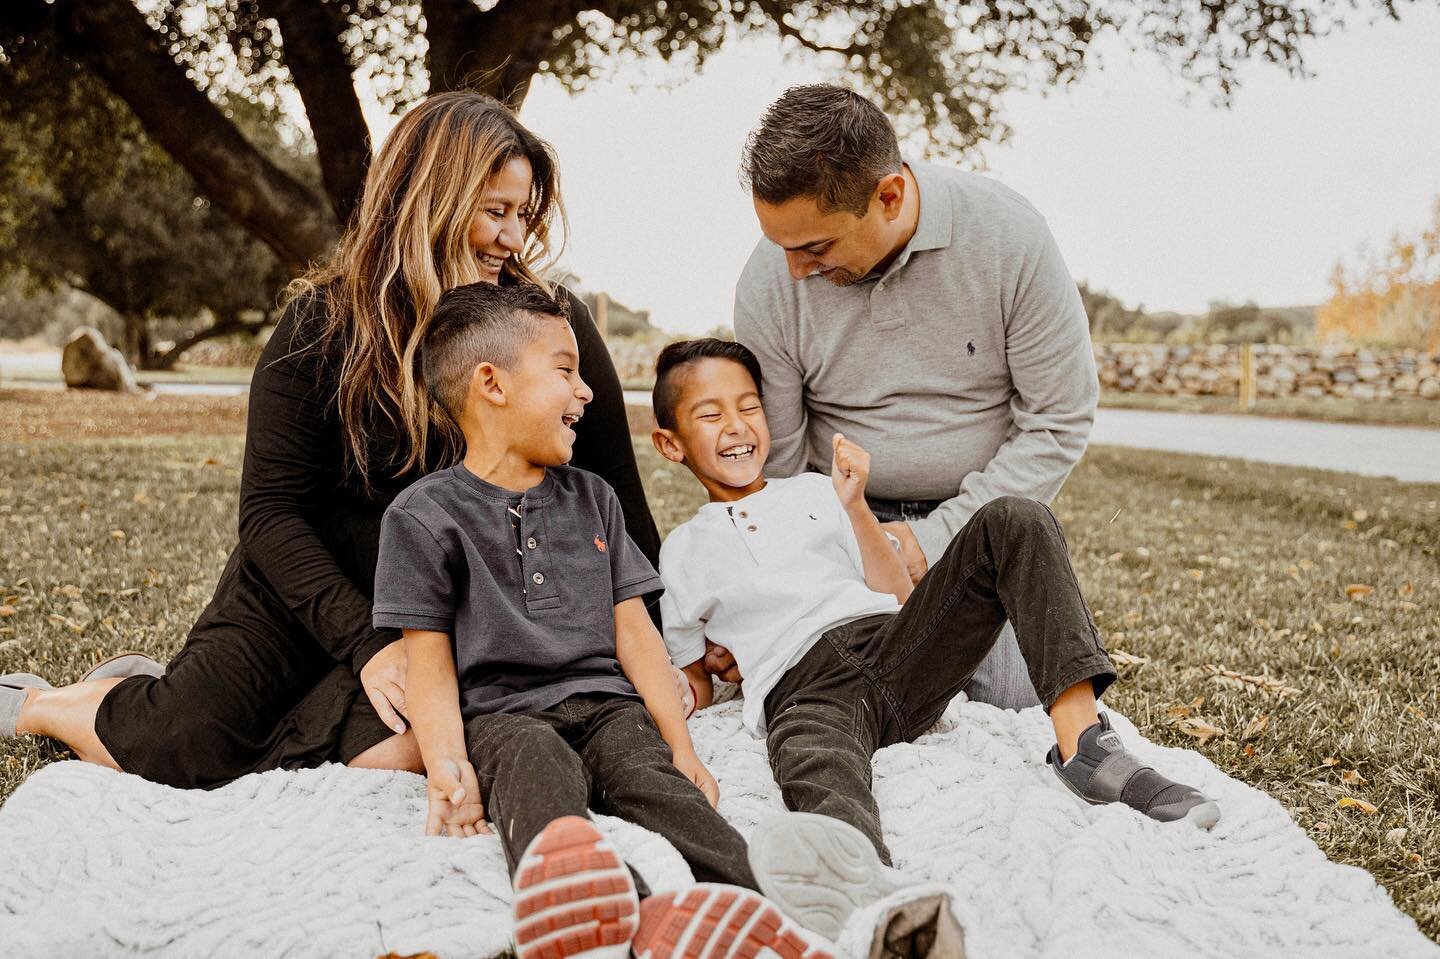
(970, 347)
(600, 544)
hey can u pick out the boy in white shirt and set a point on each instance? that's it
(840, 657)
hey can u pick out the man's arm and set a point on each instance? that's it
(1047, 345)
(757, 327)
(642, 656)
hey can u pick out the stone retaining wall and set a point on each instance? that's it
(1279, 371)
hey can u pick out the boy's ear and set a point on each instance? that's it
(487, 385)
(667, 444)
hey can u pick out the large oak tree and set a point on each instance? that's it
(939, 66)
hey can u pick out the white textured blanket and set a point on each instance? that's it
(330, 862)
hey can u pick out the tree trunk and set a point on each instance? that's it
(137, 341)
(310, 31)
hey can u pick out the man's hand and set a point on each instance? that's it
(383, 679)
(849, 470)
(455, 806)
(910, 550)
(694, 770)
(720, 664)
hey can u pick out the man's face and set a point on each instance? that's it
(840, 246)
(720, 429)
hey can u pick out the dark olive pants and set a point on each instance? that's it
(886, 679)
(597, 751)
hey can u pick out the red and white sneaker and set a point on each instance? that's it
(712, 921)
(574, 896)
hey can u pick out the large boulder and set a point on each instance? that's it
(90, 363)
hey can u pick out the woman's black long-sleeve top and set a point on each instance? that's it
(313, 534)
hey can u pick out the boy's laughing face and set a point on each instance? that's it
(720, 429)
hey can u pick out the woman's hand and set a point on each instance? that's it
(383, 679)
(686, 691)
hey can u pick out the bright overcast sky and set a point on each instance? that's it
(1153, 194)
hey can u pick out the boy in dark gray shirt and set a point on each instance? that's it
(537, 685)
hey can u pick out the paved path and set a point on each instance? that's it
(1407, 453)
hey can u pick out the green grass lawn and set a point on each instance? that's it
(1323, 589)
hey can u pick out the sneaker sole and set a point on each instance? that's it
(818, 869)
(145, 669)
(574, 896)
(711, 921)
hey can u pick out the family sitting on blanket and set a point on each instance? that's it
(923, 313)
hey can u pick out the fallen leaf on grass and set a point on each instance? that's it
(1196, 574)
(1406, 589)
(118, 535)
(1349, 802)
(1358, 591)
(1266, 684)
(7, 611)
(1329, 761)
(1122, 658)
(1408, 606)
(1200, 729)
(1415, 711)
(1133, 617)
(1397, 836)
(1352, 777)
(1256, 726)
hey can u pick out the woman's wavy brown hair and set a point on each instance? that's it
(406, 245)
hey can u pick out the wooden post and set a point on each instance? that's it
(1247, 378)
(602, 312)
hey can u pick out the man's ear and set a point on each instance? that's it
(487, 385)
(890, 192)
(667, 444)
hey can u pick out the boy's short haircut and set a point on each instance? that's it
(670, 364)
(480, 323)
(820, 142)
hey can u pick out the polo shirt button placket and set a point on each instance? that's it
(530, 543)
(538, 579)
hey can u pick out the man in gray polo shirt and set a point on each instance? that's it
(925, 313)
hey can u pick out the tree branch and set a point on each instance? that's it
(171, 356)
(311, 32)
(776, 12)
(112, 39)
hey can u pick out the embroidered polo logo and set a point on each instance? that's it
(600, 544)
(970, 347)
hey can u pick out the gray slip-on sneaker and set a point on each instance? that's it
(1104, 771)
(819, 870)
(123, 666)
(12, 697)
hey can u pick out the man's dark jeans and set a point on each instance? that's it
(599, 751)
(886, 679)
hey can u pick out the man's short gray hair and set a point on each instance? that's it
(820, 142)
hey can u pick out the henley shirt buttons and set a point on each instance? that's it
(538, 578)
(751, 527)
(530, 542)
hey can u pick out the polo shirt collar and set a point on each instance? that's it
(936, 224)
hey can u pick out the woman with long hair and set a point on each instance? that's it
(283, 668)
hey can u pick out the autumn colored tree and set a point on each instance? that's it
(939, 66)
(1390, 299)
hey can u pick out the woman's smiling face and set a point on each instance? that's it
(500, 229)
